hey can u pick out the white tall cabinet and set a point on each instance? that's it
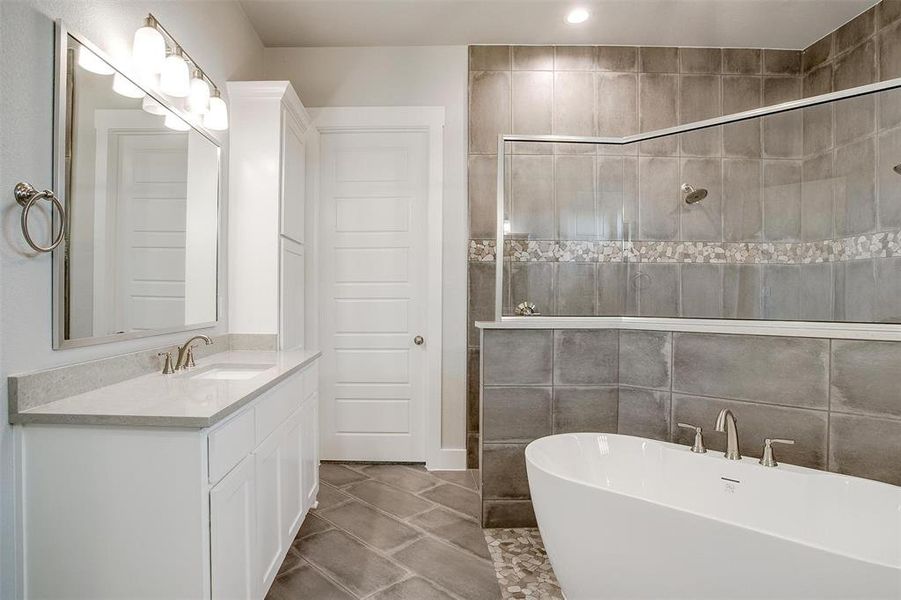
(271, 255)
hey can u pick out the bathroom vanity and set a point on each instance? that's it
(189, 485)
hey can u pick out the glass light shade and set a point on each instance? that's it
(148, 51)
(176, 123)
(199, 97)
(89, 61)
(153, 107)
(124, 87)
(217, 117)
(175, 77)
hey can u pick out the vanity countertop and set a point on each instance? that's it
(178, 400)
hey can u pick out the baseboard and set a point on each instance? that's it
(447, 459)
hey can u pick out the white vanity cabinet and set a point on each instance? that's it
(167, 512)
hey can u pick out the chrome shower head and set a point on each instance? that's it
(897, 169)
(693, 195)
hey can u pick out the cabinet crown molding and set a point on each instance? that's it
(282, 91)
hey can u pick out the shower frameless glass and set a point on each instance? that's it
(788, 213)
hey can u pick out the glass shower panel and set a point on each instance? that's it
(789, 216)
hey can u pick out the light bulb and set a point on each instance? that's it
(124, 87)
(89, 61)
(174, 79)
(153, 107)
(148, 51)
(577, 15)
(199, 98)
(173, 121)
(217, 117)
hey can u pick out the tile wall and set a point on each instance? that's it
(840, 400)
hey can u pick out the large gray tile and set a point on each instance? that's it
(328, 495)
(305, 582)
(755, 422)
(617, 58)
(782, 62)
(483, 196)
(742, 200)
(585, 409)
(481, 297)
(338, 475)
(450, 527)
(701, 60)
(854, 68)
(349, 562)
(817, 53)
(854, 118)
(776, 370)
(866, 378)
(817, 129)
(783, 135)
(855, 31)
(699, 99)
(455, 497)
(742, 291)
(508, 513)
(311, 524)
(645, 358)
(515, 413)
(533, 100)
(658, 109)
(818, 81)
(658, 291)
(533, 58)
(644, 413)
(888, 290)
(489, 109)
(576, 289)
(743, 139)
(574, 103)
(370, 526)
(410, 480)
(890, 52)
(865, 447)
(782, 292)
(443, 564)
(521, 357)
(532, 199)
(534, 282)
(465, 478)
(415, 588)
(617, 104)
(702, 290)
(389, 499)
(741, 93)
(703, 221)
(855, 188)
(575, 197)
(489, 58)
(855, 291)
(889, 180)
(741, 60)
(473, 387)
(817, 202)
(504, 471)
(658, 60)
(889, 102)
(816, 294)
(782, 200)
(617, 197)
(888, 11)
(612, 289)
(585, 357)
(659, 198)
(574, 58)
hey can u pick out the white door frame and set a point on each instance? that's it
(428, 119)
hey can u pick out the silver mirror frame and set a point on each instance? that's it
(59, 185)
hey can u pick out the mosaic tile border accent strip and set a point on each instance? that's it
(522, 566)
(869, 246)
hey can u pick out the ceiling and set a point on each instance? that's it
(791, 24)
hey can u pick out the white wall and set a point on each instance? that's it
(406, 76)
(216, 33)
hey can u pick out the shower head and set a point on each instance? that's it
(897, 169)
(693, 195)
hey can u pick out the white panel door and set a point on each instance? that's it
(373, 219)
(232, 524)
(268, 459)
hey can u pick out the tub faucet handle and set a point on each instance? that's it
(698, 446)
(768, 460)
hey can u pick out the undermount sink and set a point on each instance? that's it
(229, 372)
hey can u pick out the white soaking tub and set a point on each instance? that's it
(627, 517)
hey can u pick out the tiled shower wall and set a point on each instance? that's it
(840, 400)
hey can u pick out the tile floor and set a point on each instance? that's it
(390, 532)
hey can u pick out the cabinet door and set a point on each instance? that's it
(269, 535)
(232, 517)
(293, 178)
(309, 424)
(292, 295)
(292, 487)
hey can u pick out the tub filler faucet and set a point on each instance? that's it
(725, 423)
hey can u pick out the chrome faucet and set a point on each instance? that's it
(186, 354)
(725, 422)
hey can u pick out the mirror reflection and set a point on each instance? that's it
(142, 190)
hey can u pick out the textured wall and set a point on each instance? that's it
(838, 399)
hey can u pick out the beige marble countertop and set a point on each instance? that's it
(176, 400)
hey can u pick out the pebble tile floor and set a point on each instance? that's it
(390, 532)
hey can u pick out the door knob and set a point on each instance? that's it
(419, 340)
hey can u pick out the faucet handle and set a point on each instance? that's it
(768, 459)
(167, 364)
(698, 446)
(190, 360)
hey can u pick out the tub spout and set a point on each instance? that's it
(725, 423)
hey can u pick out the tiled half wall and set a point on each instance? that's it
(840, 400)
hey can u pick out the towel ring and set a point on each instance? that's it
(27, 196)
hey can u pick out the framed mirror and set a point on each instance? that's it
(140, 184)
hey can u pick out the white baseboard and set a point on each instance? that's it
(447, 459)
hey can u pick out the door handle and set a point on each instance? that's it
(419, 340)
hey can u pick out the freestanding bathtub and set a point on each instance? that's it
(627, 517)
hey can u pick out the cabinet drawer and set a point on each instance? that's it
(276, 405)
(311, 380)
(229, 444)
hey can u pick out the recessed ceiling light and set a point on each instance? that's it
(577, 15)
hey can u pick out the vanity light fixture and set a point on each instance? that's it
(176, 123)
(199, 96)
(217, 117)
(175, 78)
(89, 61)
(124, 87)
(148, 51)
(153, 107)
(577, 15)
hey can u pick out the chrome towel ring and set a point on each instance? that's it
(26, 195)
